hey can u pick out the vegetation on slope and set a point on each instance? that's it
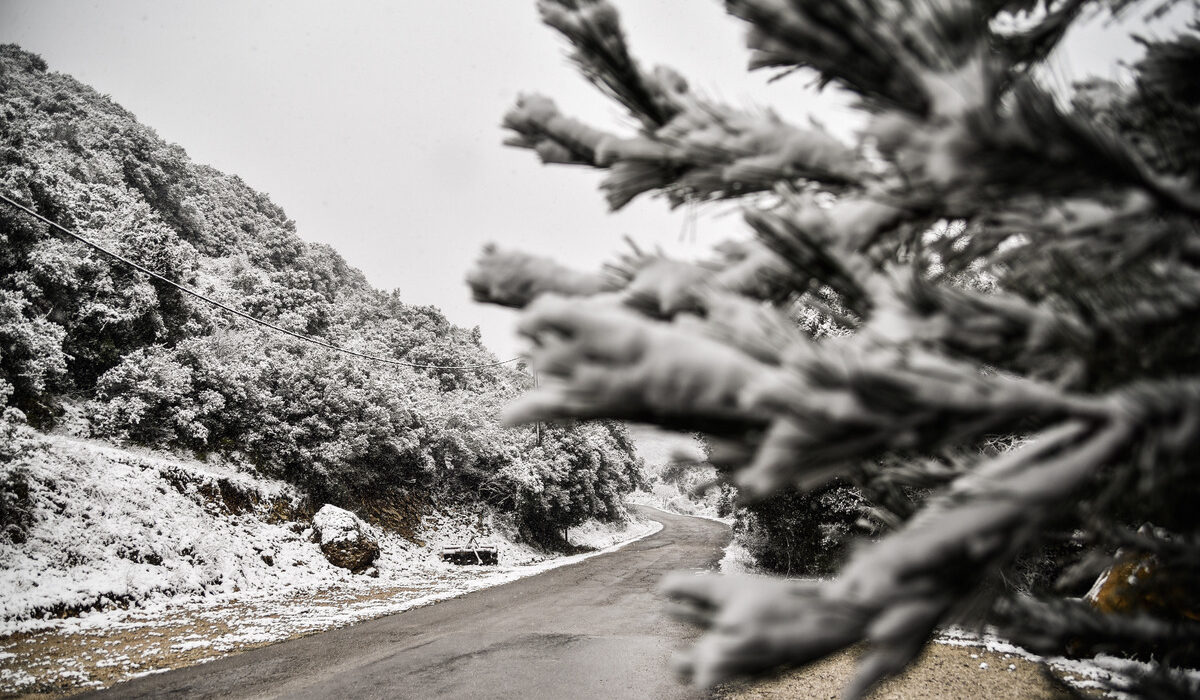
(133, 360)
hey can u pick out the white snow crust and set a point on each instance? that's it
(335, 524)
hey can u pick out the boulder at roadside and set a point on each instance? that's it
(344, 539)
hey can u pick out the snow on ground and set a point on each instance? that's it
(173, 562)
(668, 497)
(1084, 674)
(603, 536)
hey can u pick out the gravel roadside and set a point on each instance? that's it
(941, 672)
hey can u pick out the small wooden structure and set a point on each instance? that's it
(471, 553)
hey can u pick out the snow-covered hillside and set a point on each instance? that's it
(95, 526)
(186, 561)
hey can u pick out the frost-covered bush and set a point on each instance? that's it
(553, 478)
(315, 419)
(577, 473)
(801, 534)
(32, 362)
(149, 399)
(343, 429)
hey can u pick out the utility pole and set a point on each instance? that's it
(537, 426)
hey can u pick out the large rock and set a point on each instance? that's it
(344, 539)
(1139, 582)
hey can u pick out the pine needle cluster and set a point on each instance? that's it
(1005, 363)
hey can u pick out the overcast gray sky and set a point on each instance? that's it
(375, 124)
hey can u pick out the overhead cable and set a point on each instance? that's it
(229, 309)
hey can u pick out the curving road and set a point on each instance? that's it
(590, 630)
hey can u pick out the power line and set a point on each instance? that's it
(188, 290)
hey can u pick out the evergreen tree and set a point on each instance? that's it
(981, 314)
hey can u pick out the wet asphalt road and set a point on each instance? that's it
(590, 630)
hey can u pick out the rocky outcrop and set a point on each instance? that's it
(344, 539)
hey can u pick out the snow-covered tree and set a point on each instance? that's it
(1005, 279)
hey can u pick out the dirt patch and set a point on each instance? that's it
(282, 510)
(941, 672)
(397, 511)
(225, 495)
(58, 662)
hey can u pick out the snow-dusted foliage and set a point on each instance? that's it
(31, 354)
(980, 315)
(143, 364)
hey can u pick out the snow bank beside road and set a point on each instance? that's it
(607, 537)
(96, 527)
(103, 648)
(92, 526)
(210, 562)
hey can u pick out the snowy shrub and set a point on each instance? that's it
(801, 534)
(579, 472)
(17, 442)
(552, 479)
(32, 363)
(149, 399)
